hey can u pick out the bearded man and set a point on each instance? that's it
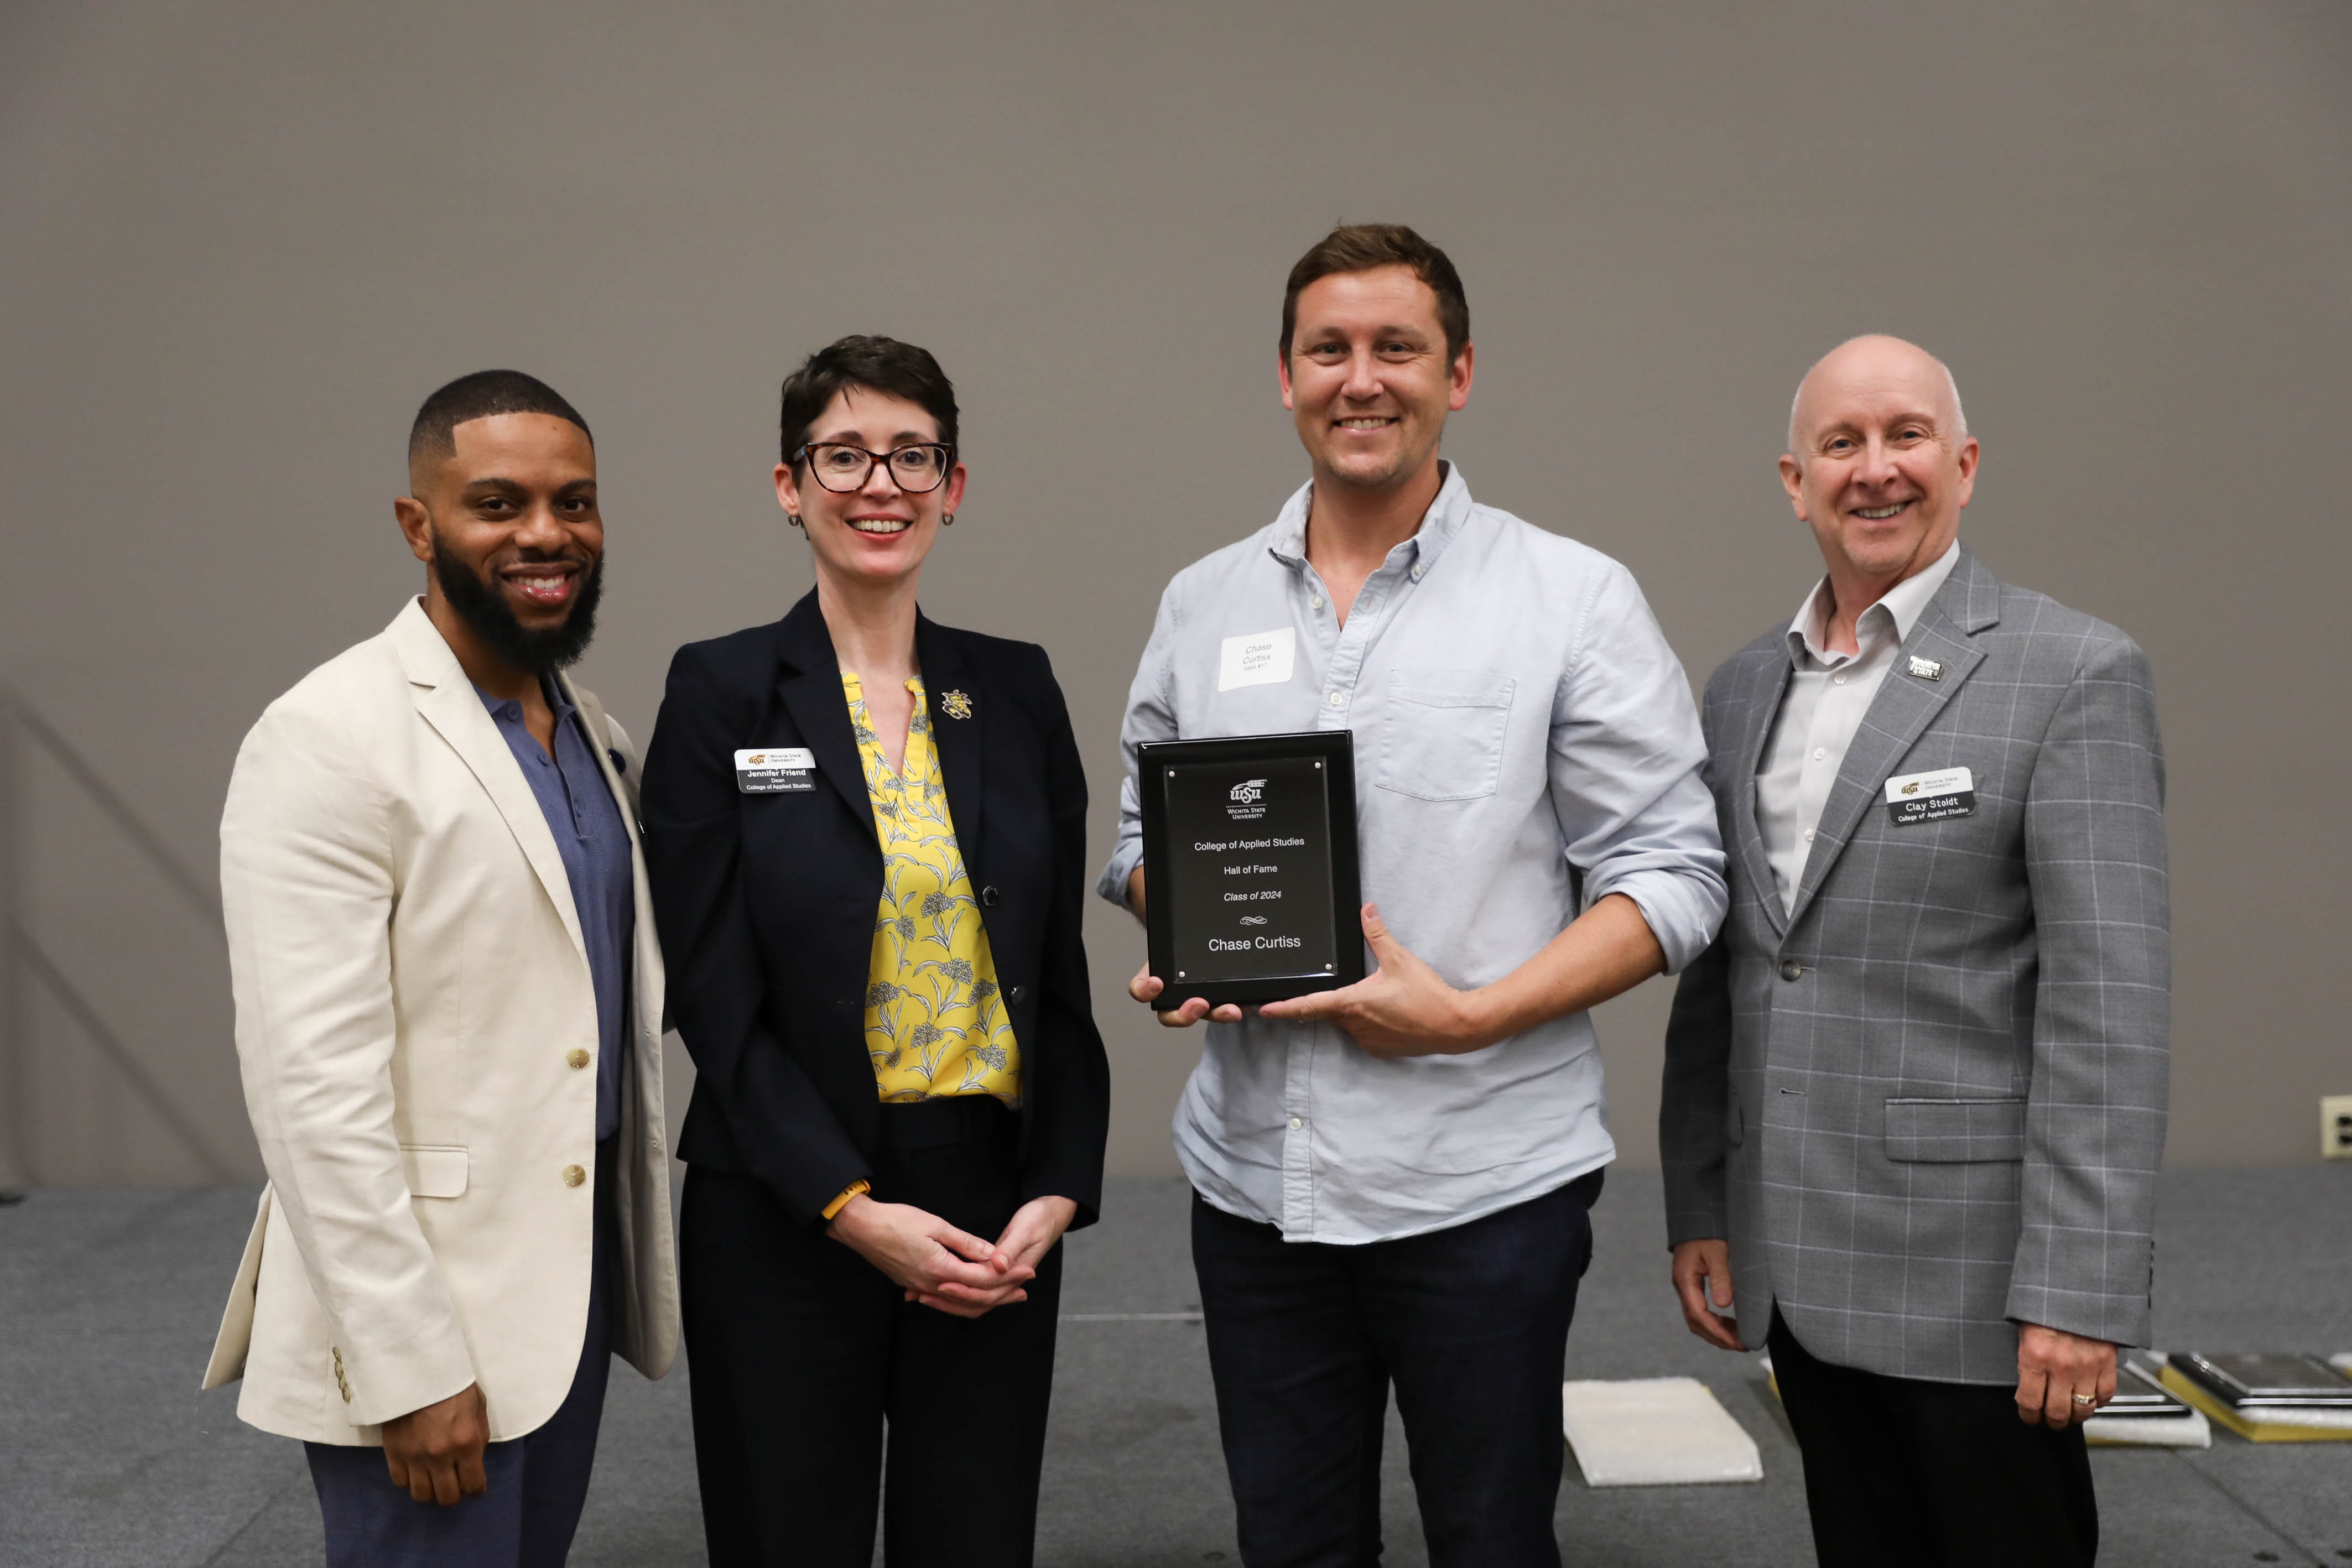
(449, 1004)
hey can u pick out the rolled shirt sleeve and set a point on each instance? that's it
(1150, 716)
(1626, 755)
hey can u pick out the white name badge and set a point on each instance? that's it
(775, 771)
(1930, 796)
(1260, 659)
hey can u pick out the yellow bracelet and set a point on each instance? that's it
(854, 1189)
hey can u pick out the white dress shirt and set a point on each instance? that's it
(1828, 694)
(1523, 735)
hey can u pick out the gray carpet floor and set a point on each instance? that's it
(109, 1456)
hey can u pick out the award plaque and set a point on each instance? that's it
(1249, 855)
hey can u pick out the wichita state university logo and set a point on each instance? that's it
(1245, 800)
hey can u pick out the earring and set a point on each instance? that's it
(793, 518)
(947, 519)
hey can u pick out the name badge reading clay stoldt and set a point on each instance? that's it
(775, 770)
(1249, 865)
(1913, 798)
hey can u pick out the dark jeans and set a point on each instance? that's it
(537, 1482)
(801, 1351)
(1470, 1324)
(1942, 1475)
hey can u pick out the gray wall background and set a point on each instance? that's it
(242, 241)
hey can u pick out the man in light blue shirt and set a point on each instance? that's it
(1393, 1179)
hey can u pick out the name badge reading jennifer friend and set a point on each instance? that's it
(1913, 798)
(779, 771)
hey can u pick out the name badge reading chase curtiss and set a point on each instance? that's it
(1262, 659)
(1930, 796)
(779, 771)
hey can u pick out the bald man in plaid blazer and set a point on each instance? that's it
(1915, 1094)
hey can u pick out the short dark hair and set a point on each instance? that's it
(479, 396)
(1359, 247)
(879, 364)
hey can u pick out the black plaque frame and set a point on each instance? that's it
(1334, 749)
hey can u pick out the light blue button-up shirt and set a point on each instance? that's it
(1522, 731)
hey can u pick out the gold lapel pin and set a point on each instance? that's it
(955, 705)
(1926, 669)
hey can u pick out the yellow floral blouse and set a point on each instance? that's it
(935, 1019)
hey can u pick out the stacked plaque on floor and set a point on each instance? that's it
(2269, 1397)
(2144, 1414)
(1655, 1431)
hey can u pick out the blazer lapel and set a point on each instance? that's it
(1900, 714)
(809, 686)
(600, 730)
(957, 716)
(1766, 687)
(447, 700)
(601, 737)
(649, 995)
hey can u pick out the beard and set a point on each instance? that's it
(482, 606)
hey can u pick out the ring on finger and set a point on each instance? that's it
(2084, 1399)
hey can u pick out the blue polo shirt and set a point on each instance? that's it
(595, 843)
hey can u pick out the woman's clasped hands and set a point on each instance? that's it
(947, 1268)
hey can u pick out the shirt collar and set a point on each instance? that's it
(507, 710)
(1901, 606)
(1443, 519)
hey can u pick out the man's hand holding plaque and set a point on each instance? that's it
(1404, 1007)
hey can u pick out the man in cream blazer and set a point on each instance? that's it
(448, 1016)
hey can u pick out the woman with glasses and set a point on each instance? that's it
(865, 834)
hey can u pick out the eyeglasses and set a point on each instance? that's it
(841, 468)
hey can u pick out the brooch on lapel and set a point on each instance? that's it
(955, 705)
(1926, 669)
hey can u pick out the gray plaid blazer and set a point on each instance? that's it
(1928, 1104)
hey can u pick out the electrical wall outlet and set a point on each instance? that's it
(2335, 1126)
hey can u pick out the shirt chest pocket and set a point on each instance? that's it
(1443, 732)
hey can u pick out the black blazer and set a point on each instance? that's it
(766, 903)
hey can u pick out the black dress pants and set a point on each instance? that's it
(801, 1353)
(1932, 1475)
(1469, 1323)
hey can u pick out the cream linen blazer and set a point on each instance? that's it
(410, 989)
